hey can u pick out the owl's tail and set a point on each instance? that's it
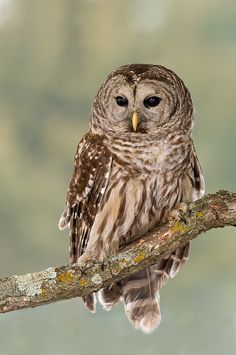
(141, 300)
(140, 291)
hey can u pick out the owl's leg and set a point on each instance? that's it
(179, 213)
(84, 258)
(100, 249)
(109, 248)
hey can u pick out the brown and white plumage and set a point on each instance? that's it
(130, 172)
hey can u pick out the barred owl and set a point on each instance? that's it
(136, 164)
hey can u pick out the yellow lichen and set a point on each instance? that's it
(66, 277)
(139, 257)
(83, 282)
(44, 292)
(122, 262)
(179, 228)
(200, 214)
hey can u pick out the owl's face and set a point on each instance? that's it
(142, 99)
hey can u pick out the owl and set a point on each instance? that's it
(135, 165)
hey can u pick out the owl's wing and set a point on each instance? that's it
(194, 180)
(197, 178)
(92, 167)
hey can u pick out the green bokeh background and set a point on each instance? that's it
(54, 54)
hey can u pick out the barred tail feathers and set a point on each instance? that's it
(142, 300)
(90, 302)
(110, 295)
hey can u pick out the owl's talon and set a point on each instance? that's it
(102, 265)
(179, 213)
(84, 258)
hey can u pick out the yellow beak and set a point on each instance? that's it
(135, 120)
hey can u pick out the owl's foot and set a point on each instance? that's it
(179, 213)
(98, 255)
(84, 258)
(89, 256)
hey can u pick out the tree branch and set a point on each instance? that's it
(65, 282)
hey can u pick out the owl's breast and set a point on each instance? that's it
(164, 154)
(145, 184)
(131, 207)
(148, 201)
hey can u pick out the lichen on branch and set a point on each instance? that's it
(65, 282)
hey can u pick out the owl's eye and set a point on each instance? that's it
(121, 101)
(152, 101)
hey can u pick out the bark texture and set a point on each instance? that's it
(65, 282)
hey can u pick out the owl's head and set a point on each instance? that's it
(142, 99)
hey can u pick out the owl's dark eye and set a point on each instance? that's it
(121, 101)
(152, 101)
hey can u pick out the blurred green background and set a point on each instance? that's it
(54, 54)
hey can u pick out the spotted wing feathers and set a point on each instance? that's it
(92, 166)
